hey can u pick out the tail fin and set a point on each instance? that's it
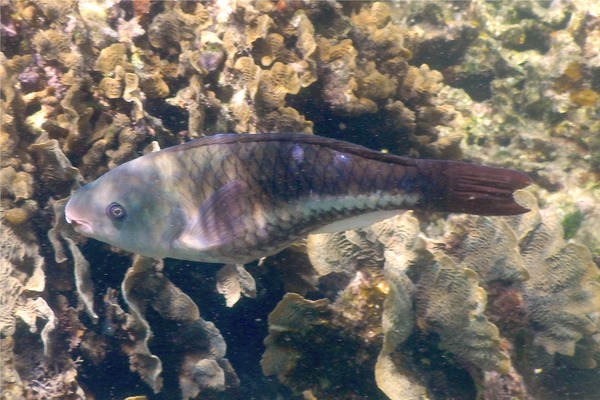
(455, 186)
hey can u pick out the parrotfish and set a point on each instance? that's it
(236, 198)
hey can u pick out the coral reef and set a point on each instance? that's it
(23, 277)
(563, 291)
(557, 283)
(446, 298)
(316, 347)
(532, 85)
(204, 367)
(89, 85)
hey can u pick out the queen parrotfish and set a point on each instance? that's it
(236, 198)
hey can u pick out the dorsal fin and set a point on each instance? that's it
(301, 138)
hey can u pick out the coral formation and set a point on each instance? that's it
(61, 231)
(293, 314)
(438, 283)
(311, 343)
(22, 274)
(523, 256)
(56, 173)
(233, 281)
(204, 366)
(23, 280)
(563, 291)
(89, 85)
(450, 302)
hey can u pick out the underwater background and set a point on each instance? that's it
(421, 306)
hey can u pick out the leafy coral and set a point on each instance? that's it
(522, 258)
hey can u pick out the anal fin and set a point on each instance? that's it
(358, 222)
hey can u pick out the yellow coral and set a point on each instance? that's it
(131, 93)
(233, 281)
(448, 298)
(57, 10)
(292, 314)
(21, 271)
(22, 186)
(487, 246)
(329, 51)
(258, 28)
(110, 87)
(285, 119)
(174, 26)
(451, 302)
(564, 287)
(242, 112)
(52, 44)
(154, 87)
(272, 49)
(276, 83)
(204, 366)
(397, 320)
(570, 79)
(584, 97)
(250, 73)
(419, 82)
(16, 216)
(375, 15)
(558, 281)
(375, 85)
(56, 170)
(110, 57)
(305, 32)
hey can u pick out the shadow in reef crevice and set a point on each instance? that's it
(373, 130)
(243, 327)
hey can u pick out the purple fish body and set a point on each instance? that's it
(236, 198)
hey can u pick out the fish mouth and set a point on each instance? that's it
(73, 216)
(81, 226)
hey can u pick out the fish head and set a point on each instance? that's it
(127, 208)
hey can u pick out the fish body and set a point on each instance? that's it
(235, 198)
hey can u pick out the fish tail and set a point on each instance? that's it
(454, 186)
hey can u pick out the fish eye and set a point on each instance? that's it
(115, 211)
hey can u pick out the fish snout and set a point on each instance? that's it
(79, 224)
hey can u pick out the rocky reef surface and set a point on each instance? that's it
(419, 306)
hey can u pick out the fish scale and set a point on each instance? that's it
(312, 190)
(236, 198)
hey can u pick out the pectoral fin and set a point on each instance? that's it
(220, 219)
